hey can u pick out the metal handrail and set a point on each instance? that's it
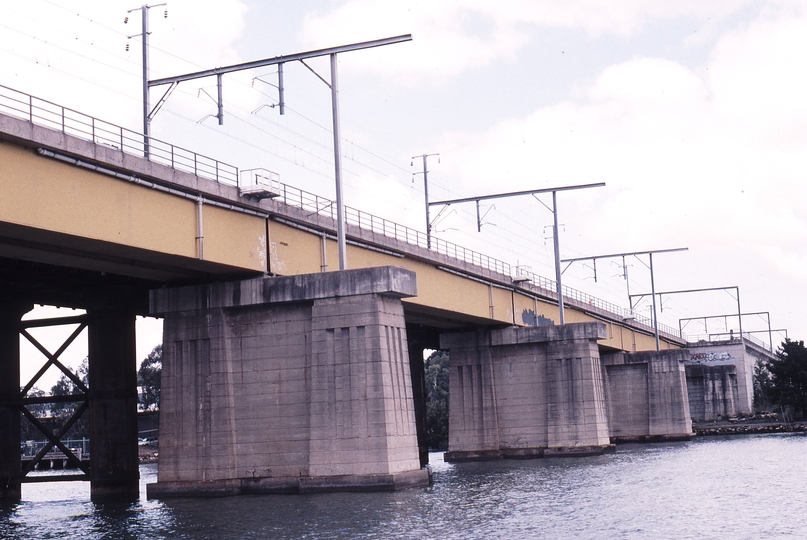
(70, 122)
(321, 206)
(42, 112)
(736, 335)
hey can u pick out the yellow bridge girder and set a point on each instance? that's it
(139, 219)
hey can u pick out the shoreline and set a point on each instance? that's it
(147, 453)
(739, 428)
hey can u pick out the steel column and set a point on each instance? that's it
(113, 405)
(10, 461)
(337, 164)
(556, 240)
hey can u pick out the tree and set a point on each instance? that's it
(63, 411)
(149, 377)
(436, 369)
(762, 386)
(40, 410)
(783, 380)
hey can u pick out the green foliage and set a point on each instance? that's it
(61, 412)
(436, 369)
(762, 386)
(40, 410)
(783, 380)
(149, 377)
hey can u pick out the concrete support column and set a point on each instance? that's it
(473, 428)
(576, 411)
(526, 392)
(647, 396)
(287, 385)
(669, 403)
(10, 463)
(362, 411)
(113, 404)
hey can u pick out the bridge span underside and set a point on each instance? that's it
(111, 303)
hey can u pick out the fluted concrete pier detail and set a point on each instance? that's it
(526, 392)
(545, 391)
(647, 395)
(289, 384)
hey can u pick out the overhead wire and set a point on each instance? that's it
(520, 245)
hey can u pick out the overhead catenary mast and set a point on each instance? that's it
(144, 40)
(554, 210)
(333, 85)
(652, 278)
(425, 157)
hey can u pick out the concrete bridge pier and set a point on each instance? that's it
(647, 395)
(526, 392)
(287, 385)
(113, 404)
(10, 460)
(418, 340)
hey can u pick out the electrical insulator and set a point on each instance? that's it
(127, 46)
(165, 13)
(126, 20)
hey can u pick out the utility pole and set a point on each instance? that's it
(425, 157)
(556, 242)
(144, 40)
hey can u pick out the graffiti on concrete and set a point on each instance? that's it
(529, 318)
(705, 357)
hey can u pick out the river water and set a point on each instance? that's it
(733, 487)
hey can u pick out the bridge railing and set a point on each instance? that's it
(42, 112)
(758, 342)
(31, 448)
(729, 335)
(325, 207)
(70, 122)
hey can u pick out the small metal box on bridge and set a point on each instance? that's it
(259, 183)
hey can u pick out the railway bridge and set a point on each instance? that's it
(281, 373)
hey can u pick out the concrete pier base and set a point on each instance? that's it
(526, 393)
(287, 385)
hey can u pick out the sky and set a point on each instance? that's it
(693, 113)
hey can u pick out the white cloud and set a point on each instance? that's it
(713, 159)
(452, 36)
(759, 78)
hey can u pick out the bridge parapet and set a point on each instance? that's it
(115, 139)
(40, 124)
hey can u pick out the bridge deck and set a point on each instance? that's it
(72, 202)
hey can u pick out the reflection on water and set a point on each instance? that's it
(744, 487)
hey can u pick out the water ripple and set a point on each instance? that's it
(741, 487)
